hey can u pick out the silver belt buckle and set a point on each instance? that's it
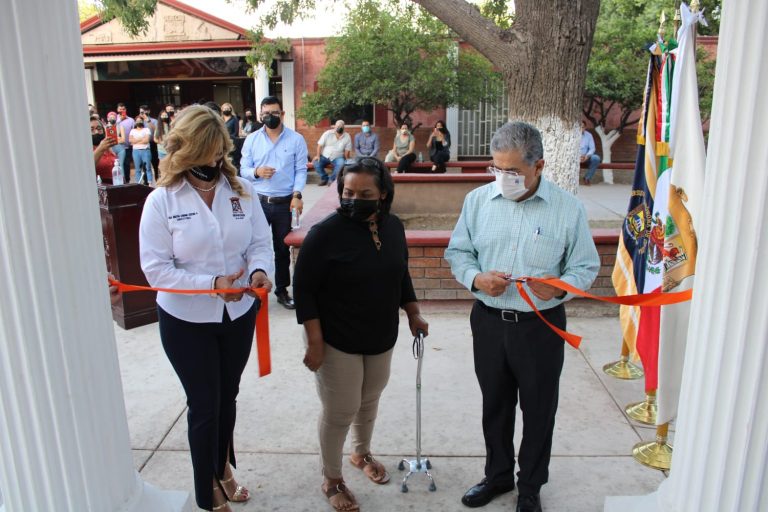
(505, 312)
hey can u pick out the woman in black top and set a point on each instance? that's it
(439, 144)
(350, 281)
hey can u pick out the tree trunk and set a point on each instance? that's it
(606, 141)
(543, 59)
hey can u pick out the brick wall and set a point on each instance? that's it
(432, 278)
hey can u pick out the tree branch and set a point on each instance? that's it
(480, 32)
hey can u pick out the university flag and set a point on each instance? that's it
(685, 188)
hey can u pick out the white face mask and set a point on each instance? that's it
(511, 186)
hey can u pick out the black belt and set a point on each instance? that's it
(275, 200)
(510, 315)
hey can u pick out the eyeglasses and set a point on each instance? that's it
(497, 171)
(272, 113)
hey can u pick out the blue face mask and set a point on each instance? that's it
(366, 129)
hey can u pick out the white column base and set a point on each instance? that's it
(149, 497)
(608, 176)
(647, 503)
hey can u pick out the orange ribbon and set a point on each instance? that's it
(640, 299)
(262, 318)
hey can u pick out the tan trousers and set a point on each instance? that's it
(349, 386)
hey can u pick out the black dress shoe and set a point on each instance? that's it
(286, 300)
(528, 503)
(482, 493)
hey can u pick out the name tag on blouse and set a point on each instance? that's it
(182, 216)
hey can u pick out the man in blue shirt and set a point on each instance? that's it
(274, 158)
(366, 142)
(587, 149)
(521, 225)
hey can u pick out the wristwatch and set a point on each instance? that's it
(297, 195)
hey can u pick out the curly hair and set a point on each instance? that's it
(197, 137)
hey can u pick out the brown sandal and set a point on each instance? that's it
(340, 488)
(377, 474)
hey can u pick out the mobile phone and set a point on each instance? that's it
(110, 132)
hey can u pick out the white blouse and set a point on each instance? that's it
(183, 244)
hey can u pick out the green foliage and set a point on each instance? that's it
(618, 63)
(86, 10)
(134, 15)
(499, 12)
(401, 58)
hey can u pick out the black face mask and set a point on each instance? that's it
(226, 112)
(164, 118)
(339, 130)
(443, 130)
(112, 121)
(249, 116)
(97, 138)
(358, 209)
(206, 172)
(271, 121)
(139, 125)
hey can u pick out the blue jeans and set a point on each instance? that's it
(593, 162)
(338, 163)
(142, 161)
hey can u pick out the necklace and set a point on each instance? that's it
(202, 189)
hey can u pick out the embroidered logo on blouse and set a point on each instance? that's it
(237, 208)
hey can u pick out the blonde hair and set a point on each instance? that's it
(197, 137)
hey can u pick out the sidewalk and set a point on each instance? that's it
(276, 439)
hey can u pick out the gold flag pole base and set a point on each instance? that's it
(655, 454)
(645, 411)
(623, 369)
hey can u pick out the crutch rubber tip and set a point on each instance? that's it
(432, 487)
(401, 466)
(429, 465)
(403, 488)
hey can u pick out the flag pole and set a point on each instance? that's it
(623, 368)
(656, 454)
(645, 411)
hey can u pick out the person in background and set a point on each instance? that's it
(351, 281)
(230, 120)
(522, 225)
(274, 159)
(163, 127)
(170, 109)
(249, 124)
(208, 337)
(439, 144)
(103, 157)
(142, 157)
(151, 123)
(334, 147)
(212, 105)
(366, 142)
(124, 126)
(587, 149)
(402, 150)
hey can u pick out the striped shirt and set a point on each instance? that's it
(547, 234)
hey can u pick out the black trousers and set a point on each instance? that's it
(404, 164)
(511, 359)
(155, 157)
(439, 158)
(209, 359)
(279, 217)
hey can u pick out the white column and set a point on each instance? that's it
(261, 81)
(64, 441)
(89, 89)
(289, 103)
(720, 459)
(452, 124)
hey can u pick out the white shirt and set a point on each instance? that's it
(333, 147)
(140, 133)
(183, 245)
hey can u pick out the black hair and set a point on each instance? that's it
(381, 175)
(143, 107)
(271, 100)
(213, 106)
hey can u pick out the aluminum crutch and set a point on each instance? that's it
(419, 464)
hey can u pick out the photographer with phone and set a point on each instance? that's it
(103, 157)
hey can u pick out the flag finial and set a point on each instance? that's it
(695, 6)
(662, 23)
(676, 20)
